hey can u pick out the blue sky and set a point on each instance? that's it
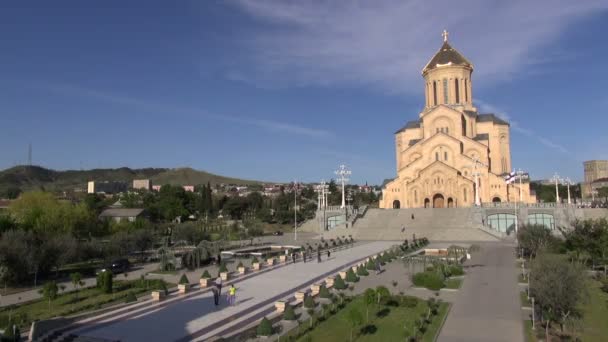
(283, 90)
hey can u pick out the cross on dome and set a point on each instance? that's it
(445, 35)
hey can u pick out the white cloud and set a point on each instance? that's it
(385, 44)
(269, 125)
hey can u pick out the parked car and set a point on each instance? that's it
(119, 266)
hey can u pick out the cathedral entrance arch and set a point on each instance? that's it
(450, 202)
(427, 202)
(438, 201)
(496, 200)
(396, 204)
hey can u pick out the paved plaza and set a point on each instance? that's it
(194, 316)
(487, 306)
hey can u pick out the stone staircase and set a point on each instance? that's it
(446, 224)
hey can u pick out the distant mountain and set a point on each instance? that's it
(36, 177)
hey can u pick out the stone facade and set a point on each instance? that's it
(594, 170)
(439, 154)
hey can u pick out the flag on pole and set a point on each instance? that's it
(510, 177)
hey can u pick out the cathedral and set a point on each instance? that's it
(452, 156)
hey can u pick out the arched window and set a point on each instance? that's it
(464, 194)
(445, 156)
(415, 197)
(466, 91)
(457, 90)
(445, 90)
(436, 155)
(434, 93)
(546, 220)
(502, 222)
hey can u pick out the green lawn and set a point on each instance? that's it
(595, 313)
(522, 279)
(453, 283)
(395, 325)
(523, 298)
(73, 302)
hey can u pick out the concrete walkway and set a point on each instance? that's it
(487, 306)
(194, 317)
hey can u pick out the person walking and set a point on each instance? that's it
(232, 294)
(403, 228)
(377, 267)
(412, 216)
(328, 254)
(319, 255)
(293, 257)
(304, 256)
(216, 297)
(218, 285)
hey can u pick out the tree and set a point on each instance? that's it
(6, 223)
(354, 318)
(142, 241)
(382, 292)
(49, 291)
(534, 238)
(76, 281)
(369, 296)
(559, 287)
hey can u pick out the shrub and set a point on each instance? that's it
(371, 265)
(324, 292)
(309, 302)
(339, 283)
(184, 279)
(289, 314)
(265, 328)
(456, 270)
(351, 277)
(429, 280)
(254, 260)
(223, 268)
(206, 275)
(104, 281)
(362, 271)
(130, 298)
(240, 265)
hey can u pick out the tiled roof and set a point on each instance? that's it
(121, 212)
(446, 55)
(409, 124)
(491, 118)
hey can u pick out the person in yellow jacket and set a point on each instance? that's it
(232, 295)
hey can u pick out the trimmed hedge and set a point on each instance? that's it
(324, 292)
(455, 270)
(351, 277)
(289, 314)
(184, 279)
(265, 328)
(362, 271)
(206, 275)
(223, 268)
(130, 298)
(309, 302)
(429, 280)
(339, 283)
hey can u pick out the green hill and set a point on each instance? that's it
(37, 178)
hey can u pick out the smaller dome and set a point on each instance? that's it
(447, 55)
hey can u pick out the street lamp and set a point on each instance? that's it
(476, 175)
(593, 193)
(342, 172)
(556, 179)
(567, 182)
(295, 210)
